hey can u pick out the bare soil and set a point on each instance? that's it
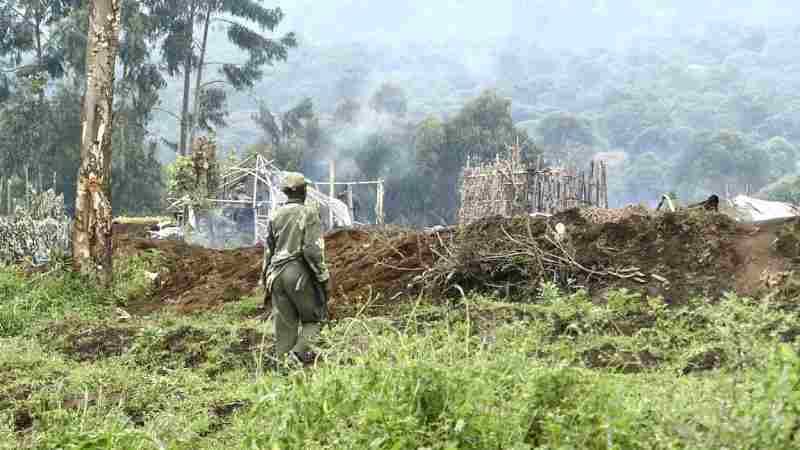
(678, 255)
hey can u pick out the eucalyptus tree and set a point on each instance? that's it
(25, 36)
(91, 232)
(184, 22)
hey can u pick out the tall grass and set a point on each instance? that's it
(559, 372)
(29, 300)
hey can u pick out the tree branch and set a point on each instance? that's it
(209, 83)
(175, 116)
(229, 22)
(17, 69)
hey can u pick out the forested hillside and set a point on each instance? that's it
(709, 105)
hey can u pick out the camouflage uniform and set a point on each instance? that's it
(294, 272)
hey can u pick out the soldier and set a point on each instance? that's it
(294, 272)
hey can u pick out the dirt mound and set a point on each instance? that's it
(364, 264)
(675, 255)
(375, 266)
(195, 277)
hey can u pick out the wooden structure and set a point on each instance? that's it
(509, 187)
(251, 190)
(347, 195)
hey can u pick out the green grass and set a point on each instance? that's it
(560, 372)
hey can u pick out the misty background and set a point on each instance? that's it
(680, 96)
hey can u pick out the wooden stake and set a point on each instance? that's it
(380, 218)
(27, 186)
(332, 194)
(350, 201)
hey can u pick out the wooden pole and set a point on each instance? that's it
(350, 201)
(255, 203)
(27, 186)
(605, 185)
(332, 194)
(380, 217)
(3, 210)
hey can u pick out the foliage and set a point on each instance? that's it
(390, 98)
(787, 189)
(181, 180)
(178, 25)
(561, 130)
(347, 111)
(725, 158)
(559, 371)
(291, 138)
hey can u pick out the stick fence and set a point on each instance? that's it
(510, 187)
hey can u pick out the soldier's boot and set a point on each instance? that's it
(305, 342)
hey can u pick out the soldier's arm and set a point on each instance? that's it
(314, 245)
(269, 250)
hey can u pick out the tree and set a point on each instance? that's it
(289, 138)
(782, 155)
(719, 161)
(29, 50)
(179, 19)
(482, 130)
(645, 178)
(429, 145)
(91, 232)
(27, 29)
(567, 139)
(390, 99)
(136, 172)
(347, 112)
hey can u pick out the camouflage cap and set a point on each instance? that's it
(293, 180)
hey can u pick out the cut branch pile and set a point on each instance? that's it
(510, 261)
(674, 255)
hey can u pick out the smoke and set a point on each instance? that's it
(222, 228)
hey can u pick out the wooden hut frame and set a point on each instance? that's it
(255, 184)
(348, 185)
(509, 187)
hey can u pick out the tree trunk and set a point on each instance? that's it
(187, 84)
(198, 82)
(91, 232)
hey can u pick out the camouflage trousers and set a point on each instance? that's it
(297, 302)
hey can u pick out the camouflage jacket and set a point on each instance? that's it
(294, 232)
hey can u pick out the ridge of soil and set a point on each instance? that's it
(677, 255)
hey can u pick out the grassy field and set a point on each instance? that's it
(556, 372)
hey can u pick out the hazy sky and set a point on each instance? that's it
(565, 23)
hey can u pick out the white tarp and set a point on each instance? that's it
(753, 209)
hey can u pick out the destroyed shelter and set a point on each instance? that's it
(509, 187)
(235, 203)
